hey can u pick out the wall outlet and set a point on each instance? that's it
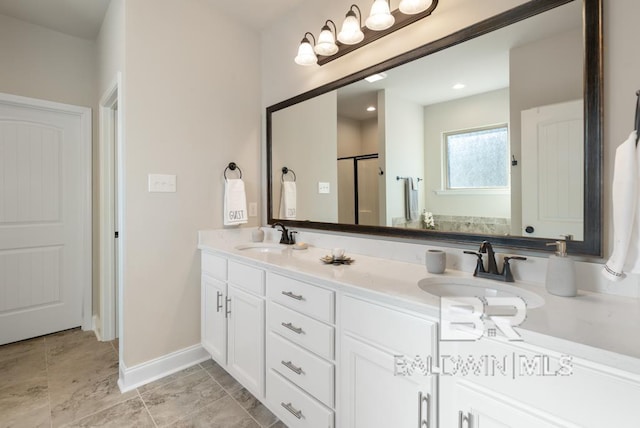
(162, 183)
(253, 209)
(324, 187)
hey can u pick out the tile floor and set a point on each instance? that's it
(70, 379)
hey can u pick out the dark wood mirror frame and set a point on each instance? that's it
(593, 132)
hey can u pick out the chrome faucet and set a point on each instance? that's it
(287, 238)
(492, 271)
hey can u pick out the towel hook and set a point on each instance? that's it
(285, 171)
(232, 166)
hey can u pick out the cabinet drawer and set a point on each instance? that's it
(397, 331)
(306, 298)
(214, 266)
(309, 333)
(309, 372)
(295, 407)
(247, 277)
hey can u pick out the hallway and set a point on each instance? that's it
(70, 379)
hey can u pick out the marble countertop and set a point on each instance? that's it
(595, 327)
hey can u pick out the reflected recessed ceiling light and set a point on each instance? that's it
(371, 108)
(375, 77)
(459, 86)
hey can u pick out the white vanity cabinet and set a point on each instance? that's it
(233, 318)
(534, 388)
(373, 393)
(300, 352)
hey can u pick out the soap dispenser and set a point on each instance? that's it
(561, 272)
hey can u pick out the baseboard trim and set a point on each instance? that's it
(96, 327)
(141, 374)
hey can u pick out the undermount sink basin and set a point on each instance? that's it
(261, 247)
(471, 287)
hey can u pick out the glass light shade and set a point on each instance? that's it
(380, 17)
(411, 7)
(350, 34)
(326, 45)
(306, 55)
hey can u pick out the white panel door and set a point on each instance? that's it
(552, 171)
(374, 396)
(214, 319)
(246, 339)
(44, 244)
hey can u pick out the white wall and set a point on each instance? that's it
(490, 108)
(306, 136)
(541, 73)
(403, 147)
(349, 137)
(192, 85)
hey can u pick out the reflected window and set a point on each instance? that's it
(477, 158)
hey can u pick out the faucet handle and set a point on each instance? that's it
(506, 269)
(292, 237)
(479, 264)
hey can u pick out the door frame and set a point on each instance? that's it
(110, 173)
(84, 113)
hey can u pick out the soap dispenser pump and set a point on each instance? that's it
(561, 272)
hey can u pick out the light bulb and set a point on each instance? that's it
(351, 33)
(380, 17)
(306, 55)
(411, 7)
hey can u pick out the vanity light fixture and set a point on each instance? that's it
(380, 17)
(351, 32)
(353, 35)
(326, 45)
(306, 55)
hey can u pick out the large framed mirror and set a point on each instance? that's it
(493, 132)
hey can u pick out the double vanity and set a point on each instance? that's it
(360, 345)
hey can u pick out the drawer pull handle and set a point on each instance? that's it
(227, 309)
(290, 366)
(290, 326)
(293, 296)
(290, 408)
(423, 422)
(218, 301)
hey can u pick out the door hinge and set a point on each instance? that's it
(117, 234)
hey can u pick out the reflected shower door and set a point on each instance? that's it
(358, 193)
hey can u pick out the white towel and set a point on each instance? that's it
(410, 199)
(288, 200)
(235, 202)
(626, 251)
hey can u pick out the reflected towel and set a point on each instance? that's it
(626, 254)
(235, 202)
(288, 200)
(410, 199)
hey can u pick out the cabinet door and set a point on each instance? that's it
(214, 321)
(477, 407)
(246, 339)
(374, 396)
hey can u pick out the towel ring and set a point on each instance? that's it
(285, 171)
(232, 166)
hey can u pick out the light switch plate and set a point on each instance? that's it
(162, 183)
(324, 187)
(253, 209)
